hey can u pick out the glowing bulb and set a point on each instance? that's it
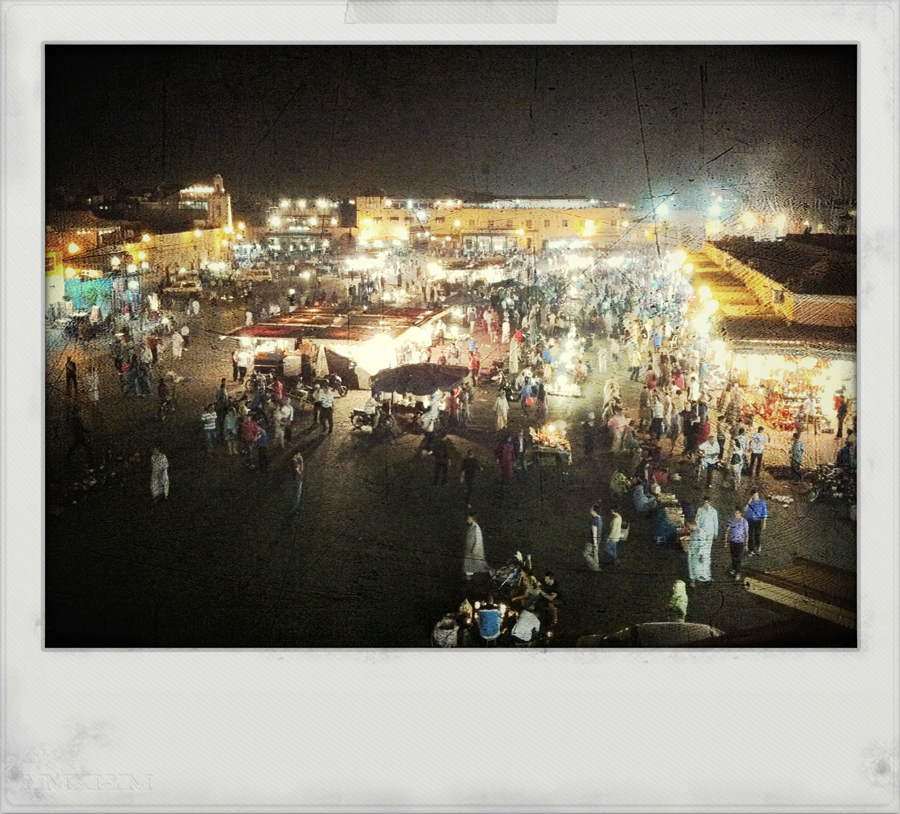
(74, 248)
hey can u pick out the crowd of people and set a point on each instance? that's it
(628, 328)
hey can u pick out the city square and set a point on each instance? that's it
(742, 310)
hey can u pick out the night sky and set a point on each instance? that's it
(457, 120)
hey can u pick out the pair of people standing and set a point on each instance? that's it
(611, 542)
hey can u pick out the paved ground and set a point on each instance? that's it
(375, 558)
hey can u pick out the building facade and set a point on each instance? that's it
(498, 225)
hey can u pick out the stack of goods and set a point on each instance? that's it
(551, 436)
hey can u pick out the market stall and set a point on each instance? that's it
(782, 369)
(550, 442)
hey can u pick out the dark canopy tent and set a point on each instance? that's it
(419, 379)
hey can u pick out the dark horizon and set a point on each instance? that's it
(765, 123)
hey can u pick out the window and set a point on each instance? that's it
(377, 220)
(509, 224)
(490, 224)
(565, 223)
(471, 223)
(395, 220)
(439, 220)
(409, 220)
(546, 224)
(527, 224)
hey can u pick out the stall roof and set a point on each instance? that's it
(804, 268)
(419, 379)
(771, 334)
(333, 324)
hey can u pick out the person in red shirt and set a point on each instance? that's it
(249, 433)
(153, 344)
(277, 391)
(475, 366)
(702, 433)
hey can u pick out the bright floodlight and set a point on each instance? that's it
(662, 209)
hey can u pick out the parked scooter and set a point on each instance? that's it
(302, 392)
(337, 386)
(833, 483)
(360, 419)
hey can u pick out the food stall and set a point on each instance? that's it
(360, 340)
(411, 387)
(551, 441)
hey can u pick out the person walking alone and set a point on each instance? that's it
(71, 377)
(797, 450)
(159, 475)
(441, 450)
(223, 402)
(707, 520)
(709, 460)
(326, 408)
(758, 442)
(614, 536)
(177, 345)
(842, 410)
(92, 383)
(501, 410)
(208, 419)
(592, 549)
(736, 535)
(298, 472)
(470, 469)
(757, 513)
(473, 556)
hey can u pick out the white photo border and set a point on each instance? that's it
(313, 730)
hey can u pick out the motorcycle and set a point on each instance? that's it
(302, 392)
(259, 381)
(338, 388)
(360, 419)
(502, 381)
(833, 483)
